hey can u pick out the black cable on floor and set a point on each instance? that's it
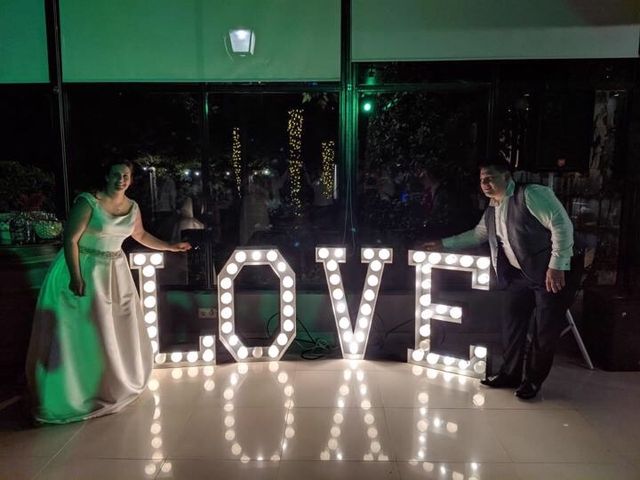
(319, 348)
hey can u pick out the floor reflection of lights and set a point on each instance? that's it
(332, 450)
(231, 389)
(353, 385)
(473, 471)
(151, 469)
(427, 425)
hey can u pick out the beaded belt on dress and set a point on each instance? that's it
(100, 253)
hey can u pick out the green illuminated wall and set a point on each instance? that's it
(173, 41)
(23, 42)
(494, 29)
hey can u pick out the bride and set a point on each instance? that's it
(89, 353)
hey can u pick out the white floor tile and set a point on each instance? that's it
(338, 434)
(440, 435)
(343, 419)
(619, 429)
(548, 436)
(257, 385)
(456, 471)
(100, 469)
(43, 441)
(568, 471)
(330, 388)
(142, 433)
(21, 468)
(338, 470)
(207, 469)
(244, 433)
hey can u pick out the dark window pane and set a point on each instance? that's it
(272, 177)
(30, 167)
(160, 131)
(417, 171)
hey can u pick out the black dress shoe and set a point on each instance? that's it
(527, 390)
(500, 381)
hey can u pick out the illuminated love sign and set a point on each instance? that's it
(352, 335)
(226, 303)
(353, 339)
(147, 263)
(426, 311)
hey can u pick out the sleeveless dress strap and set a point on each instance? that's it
(91, 200)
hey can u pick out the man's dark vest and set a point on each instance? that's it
(529, 239)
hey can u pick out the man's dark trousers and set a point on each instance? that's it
(523, 296)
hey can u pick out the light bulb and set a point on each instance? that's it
(273, 351)
(344, 323)
(451, 259)
(227, 327)
(287, 296)
(417, 355)
(434, 257)
(466, 260)
(419, 257)
(226, 298)
(148, 271)
(483, 263)
(480, 352)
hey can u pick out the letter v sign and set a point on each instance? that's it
(353, 339)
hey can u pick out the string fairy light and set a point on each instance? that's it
(294, 128)
(328, 166)
(236, 157)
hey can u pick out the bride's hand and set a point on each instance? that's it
(77, 287)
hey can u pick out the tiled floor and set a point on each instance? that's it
(335, 419)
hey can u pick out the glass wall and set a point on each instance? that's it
(160, 130)
(260, 169)
(272, 177)
(30, 173)
(257, 165)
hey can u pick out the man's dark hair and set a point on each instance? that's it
(497, 164)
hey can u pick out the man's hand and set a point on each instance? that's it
(555, 280)
(431, 245)
(179, 247)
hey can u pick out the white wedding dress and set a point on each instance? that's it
(91, 355)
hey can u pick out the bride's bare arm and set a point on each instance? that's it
(140, 235)
(77, 222)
